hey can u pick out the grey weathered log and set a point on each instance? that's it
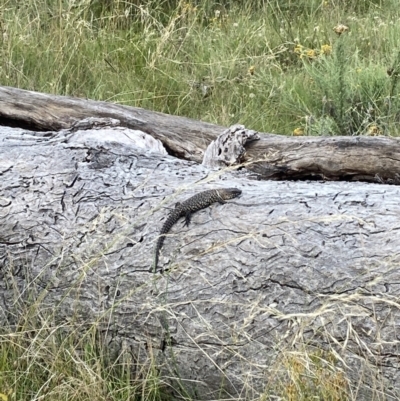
(372, 159)
(287, 268)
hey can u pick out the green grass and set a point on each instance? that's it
(163, 55)
(56, 363)
(43, 361)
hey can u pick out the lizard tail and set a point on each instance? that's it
(157, 248)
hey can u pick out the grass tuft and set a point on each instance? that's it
(54, 363)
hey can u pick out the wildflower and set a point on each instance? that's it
(374, 130)
(3, 397)
(311, 53)
(326, 49)
(340, 28)
(252, 69)
(298, 49)
(298, 132)
(189, 7)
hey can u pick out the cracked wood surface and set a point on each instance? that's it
(287, 265)
(371, 159)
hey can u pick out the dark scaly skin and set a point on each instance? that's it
(189, 206)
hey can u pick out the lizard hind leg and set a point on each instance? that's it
(187, 219)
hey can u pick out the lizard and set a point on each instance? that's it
(189, 206)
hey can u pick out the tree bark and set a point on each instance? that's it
(286, 271)
(371, 159)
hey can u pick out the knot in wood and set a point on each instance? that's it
(228, 149)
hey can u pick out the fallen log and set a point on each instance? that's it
(288, 273)
(371, 159)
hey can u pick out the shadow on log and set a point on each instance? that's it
(288, 270)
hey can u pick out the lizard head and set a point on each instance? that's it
(230, 193)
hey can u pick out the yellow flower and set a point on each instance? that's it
(252, 69)
(298, 49)
(374, 130)
(326, 49)
(298, 132)
(311, 53)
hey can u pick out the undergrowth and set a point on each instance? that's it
(275, 66)
(39, 360)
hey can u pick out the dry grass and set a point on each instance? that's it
(39, 360)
